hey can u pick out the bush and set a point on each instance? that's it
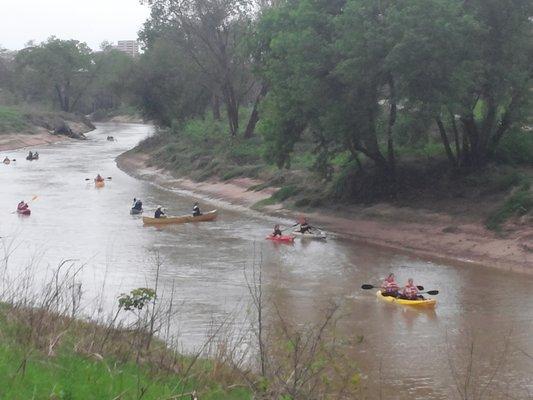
(12, 120)
(285, 192)
(518, 203)
(516, 148)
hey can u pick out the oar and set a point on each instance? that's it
(367, 286)
(92, 179)
(430, 292)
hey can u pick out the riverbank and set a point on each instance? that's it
(429, 234)
(44, 354)
(21, 127)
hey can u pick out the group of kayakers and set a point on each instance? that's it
(390, 287)
(160, 211)
(302, 224)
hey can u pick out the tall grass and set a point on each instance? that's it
(12, 120)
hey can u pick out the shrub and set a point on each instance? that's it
(520, 202)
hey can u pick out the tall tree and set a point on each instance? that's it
(211, 34)
(65, 68)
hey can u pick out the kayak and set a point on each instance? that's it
(134, 211)
(32, 158)
(99, 184)
(404, 302)
(317, 235)
(210, 216)
(27, 211)
(282, 239)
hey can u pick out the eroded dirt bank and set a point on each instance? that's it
(428, 234)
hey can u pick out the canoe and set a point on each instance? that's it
(99, 184)
(413, 303)
(317, 235)
(210, 216)
(134, 211)
(24, 212)
(32, 158)
(282, 239)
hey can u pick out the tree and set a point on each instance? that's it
(168, 85)
(211, 34)
(62, 67)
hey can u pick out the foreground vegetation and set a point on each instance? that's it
(64, 367)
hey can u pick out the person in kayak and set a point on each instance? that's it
(389, 286)
(22, 206)
(6, 160)
(30, 155)
(277, 231)
(137, 205)
(98, 178)
(196, 210)
(159, 213)
(410, 291)
(304, 226)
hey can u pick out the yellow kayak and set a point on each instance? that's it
(414, 303)
(99, 184)
(210, 216)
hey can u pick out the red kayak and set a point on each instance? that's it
(283, 239)
(26, 211)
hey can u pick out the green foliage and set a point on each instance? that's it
(137, 299)
(59, 69)
(516, 148)
(285, 192)
(519, 203)
(12, 120)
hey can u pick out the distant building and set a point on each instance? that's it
(130, 47)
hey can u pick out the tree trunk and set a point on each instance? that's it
(254, 117)
(392, 121)
(232, 109)
(215, 103)
(446, 142)
(458, 153)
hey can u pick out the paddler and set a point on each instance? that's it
(30, 155)
(6, 160)
(277, 231)
(159, 213)
(137, 204)
(389, 286)
(22, 206)
(196, 210)
(98, 178)
(410, 291)
(304, 226)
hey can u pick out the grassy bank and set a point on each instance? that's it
(202, 149)
(46, 355)
(26, 119)
(13, 120)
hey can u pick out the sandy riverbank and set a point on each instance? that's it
(15, 141)
(428, 234)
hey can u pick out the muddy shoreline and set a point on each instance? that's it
(430, 235)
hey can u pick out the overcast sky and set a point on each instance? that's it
(90, 21)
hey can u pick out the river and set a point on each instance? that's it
(402, 353)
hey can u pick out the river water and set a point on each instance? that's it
(483, 318)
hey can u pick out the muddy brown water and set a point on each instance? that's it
(483, 318)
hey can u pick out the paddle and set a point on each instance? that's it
(92, 179)
(430, 292)
(366, 286)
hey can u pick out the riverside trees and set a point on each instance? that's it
(347, 71)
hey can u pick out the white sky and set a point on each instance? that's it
(89, 21)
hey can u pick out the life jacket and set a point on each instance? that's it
(196, 211)
(390, 285)
(410, 291)
(22, 206)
